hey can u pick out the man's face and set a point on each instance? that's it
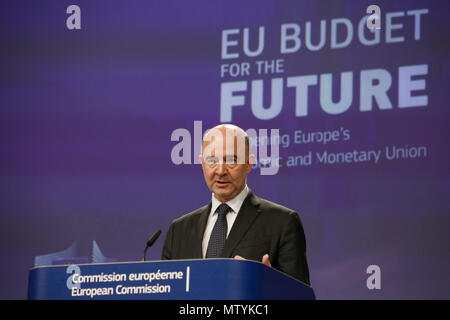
(225, 164)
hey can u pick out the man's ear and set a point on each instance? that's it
(251, 162)
(200, 158)
(251, 159)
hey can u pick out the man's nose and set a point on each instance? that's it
(221, 169)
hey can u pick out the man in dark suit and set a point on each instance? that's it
(237, 223)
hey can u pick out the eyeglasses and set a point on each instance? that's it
(230, 161)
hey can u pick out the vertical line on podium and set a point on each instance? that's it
(188, 272)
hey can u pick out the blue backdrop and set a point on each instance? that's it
(87, 116)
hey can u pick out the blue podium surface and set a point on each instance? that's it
(200, 279)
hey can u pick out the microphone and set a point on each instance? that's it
(150, 242)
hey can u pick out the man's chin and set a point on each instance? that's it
(222, 194)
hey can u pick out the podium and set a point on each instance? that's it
(199, 279)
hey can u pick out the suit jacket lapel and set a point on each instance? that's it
(246, 216)
(201, 225)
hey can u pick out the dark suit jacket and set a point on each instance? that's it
(260, 227)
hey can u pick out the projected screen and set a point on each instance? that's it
(104, 104)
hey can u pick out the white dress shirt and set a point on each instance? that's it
(235, 204)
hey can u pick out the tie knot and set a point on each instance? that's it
(223, 209)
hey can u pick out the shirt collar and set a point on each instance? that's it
(234, 203)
